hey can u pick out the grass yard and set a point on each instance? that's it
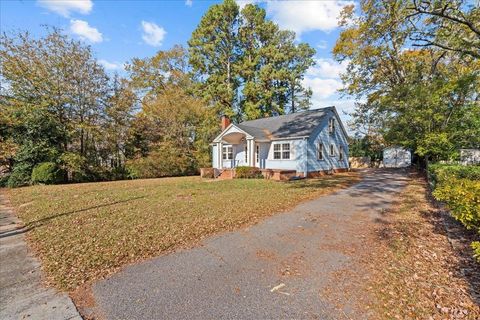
(86, 231)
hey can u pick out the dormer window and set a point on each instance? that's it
(331, 125)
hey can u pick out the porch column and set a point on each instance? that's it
(250, 153)
(220, 155)
(253, 152)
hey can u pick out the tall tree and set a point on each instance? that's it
(424, 99)
(214, 55)
(55, 101)
(452, 25)
(247, 66)
(301, 58)
(172, 130)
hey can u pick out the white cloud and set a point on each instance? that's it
(188, 3)
(85, 31)
(324, 80)
(322, 88)
(65, 7)
(303, 16)
(327, 68)
(153, 34)
(111, 65)
(243, 3)
(322, 44)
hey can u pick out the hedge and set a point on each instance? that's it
(244, 172)
(459, 187)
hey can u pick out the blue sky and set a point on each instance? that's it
(121, 30)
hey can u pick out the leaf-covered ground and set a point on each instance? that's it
(416, 273)
(83, 232)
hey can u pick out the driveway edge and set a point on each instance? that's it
(23, 293)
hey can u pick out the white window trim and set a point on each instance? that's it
(290, 153)
(225, 151)
(332, 150)
(331, 125)
(340, 154)
(320, 155)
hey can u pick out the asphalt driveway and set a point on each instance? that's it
(283, 267)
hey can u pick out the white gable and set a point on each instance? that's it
(231, 129)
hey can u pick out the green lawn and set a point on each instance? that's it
(85, 231)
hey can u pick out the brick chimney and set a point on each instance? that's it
(225, 122)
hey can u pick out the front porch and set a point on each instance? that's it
(236, 148)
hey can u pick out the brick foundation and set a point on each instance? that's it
(273, 174)
(279, 175)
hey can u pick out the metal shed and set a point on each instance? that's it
(396, 157)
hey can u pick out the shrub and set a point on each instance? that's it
(20, 175)
(248, 173)
(166, 161)
(463, 198)
(47, 173)
(4, 180)
(459, 187)
(476, 250)
(444, 171)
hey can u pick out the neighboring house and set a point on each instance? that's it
(470, 156)
(396, 157)
(307, 143)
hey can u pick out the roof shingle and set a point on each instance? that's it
(300, 124)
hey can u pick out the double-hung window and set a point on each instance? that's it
(340, 155)
(281, 151)
(320, 151)
(227, 153)
(331, 125)
(332, 151)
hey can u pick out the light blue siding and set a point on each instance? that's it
(338, 139)
(263, 149)
(303, 152)
(297, 156)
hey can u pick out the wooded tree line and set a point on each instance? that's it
(64, 119)
(415, 65)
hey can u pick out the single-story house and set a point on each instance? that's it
(302, 144)
(396, 157)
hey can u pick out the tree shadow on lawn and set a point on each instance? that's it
(323, 182)
(43, 221)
